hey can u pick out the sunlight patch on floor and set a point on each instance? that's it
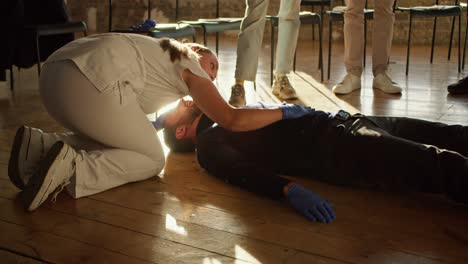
(211, 261)
(241, 253)
(171, 225)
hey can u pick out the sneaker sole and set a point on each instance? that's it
(34, 193)
(287, 97)
(389, 92)
(13, 163)
(237, 104)
(278, 94)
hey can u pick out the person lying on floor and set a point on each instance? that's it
(379, 153)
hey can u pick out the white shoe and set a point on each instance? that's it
(383, 82)
(349, 83)
(283, 88)
(29, 147)
(54, 173)
(237, 98)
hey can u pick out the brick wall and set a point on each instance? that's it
(130, 12)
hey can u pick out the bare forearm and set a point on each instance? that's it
(208, 99)
(251, 119)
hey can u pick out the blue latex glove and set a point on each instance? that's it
(149, 23)
(292, 111)
(310, 205)
(159, 123)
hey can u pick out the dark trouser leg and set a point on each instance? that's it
(453, 137)
(368, 157)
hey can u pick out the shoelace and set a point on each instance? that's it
(59, 190)
(284, 82)
(237, 90)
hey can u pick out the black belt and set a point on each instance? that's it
(342, 117)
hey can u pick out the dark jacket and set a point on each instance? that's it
(17, 21)
(255, 159)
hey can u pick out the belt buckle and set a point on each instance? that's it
(342, 115)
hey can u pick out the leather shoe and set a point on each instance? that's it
(461, 87)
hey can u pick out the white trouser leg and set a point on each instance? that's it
(288, 32)
(250, 39)
(354, 36)
(384, 19)
(76, 141)
(128, 150)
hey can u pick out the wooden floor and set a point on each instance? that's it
(187, 216)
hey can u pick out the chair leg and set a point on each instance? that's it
(451, 39)
(365, 43)
(330, 30)
(12, 84)
(459, 43)
(204, 37)
(38, 54)
(110, 15)
(294, 61)
(409, 43)
(176, 11)
(321, 51)
(464, 45)
(313, 25)
(313, 31)
(217, 43)
(272, 58)
(320, 32)
(433, 39)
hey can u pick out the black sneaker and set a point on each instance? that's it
(461, 87)
(54, 173)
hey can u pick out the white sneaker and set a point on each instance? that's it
(237, 98)
(29, 147)
(283, 88)
(349, 83)
(54, 173)
(383, 82)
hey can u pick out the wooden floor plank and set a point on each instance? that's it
(107, 236)
(226, 225)
(53, 248)
(13, 257)
(333, 238)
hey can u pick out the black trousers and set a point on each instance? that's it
(394, 154)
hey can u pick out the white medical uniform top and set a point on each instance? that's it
(113, 61)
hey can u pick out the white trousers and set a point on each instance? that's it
(115, 141)
(382, 35)
(251, 36)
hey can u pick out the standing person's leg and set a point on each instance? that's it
(132, 149)
(354, 46)
(382, 37)
(452, 137)
(248, 48)
(288, 32)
